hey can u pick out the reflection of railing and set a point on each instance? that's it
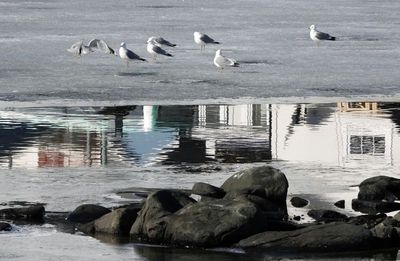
(357, 106)
(372, 144)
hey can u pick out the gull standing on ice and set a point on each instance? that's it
(203, 40)
(318, 36)
(154, 49)
(160, 41)
(127, 55)
(221, 61)
(78, 49)
(98, 44)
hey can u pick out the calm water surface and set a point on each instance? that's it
(67, 156)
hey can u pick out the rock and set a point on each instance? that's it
(379, 188)
(331, 237)
(298, 202)
(117, 222)
(34, 213)
(87, 228)
(325, 215)
(207, 190)
(151, 221)
(340, 204)
(86, 213)
(397, 216)
(297, 218)
(374, 207)
(384, 232)
(272, 181)
(369, 221)
(221, 222)
(4, 226)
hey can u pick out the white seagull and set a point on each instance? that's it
(154, 49)
(318, 36)
(127, 55)
(159, 41)
(78, 49)
(221, 61)
(102, 46)
(203, 40)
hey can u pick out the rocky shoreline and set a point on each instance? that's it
(249, 211)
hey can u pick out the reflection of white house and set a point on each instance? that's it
(348, 136)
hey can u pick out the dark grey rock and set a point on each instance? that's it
(4, 226)
(207, 190)
(331, 237)
(384, 231)
(374, 207)
(219, 223)
(86, 213)
(152, 218)
(34, 213)
(368, 221)
(117, 222)
(87, 228)
(297, 218)
(298, 202)
(265, 182)
(379, 188)
(397, 216)
(325, 215)
(340, 204)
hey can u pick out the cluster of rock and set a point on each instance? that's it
(248, 211)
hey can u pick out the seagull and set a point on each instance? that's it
(203, 39)
(160, 41)
(318, 36)
(78, 49)
(127, 55)
(154, 49)
(221, 61)
(100, 45)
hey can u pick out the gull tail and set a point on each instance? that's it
(168, 54)
(172, 45)
(142, 59)
(216, 42)
(332, 38)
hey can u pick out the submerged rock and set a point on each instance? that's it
(153, 217)
(340, 203)
(325, 215)
(34, 213)
(332, 237)
(4, 226)
(86, 213)
(374, 207)
(298, 202)
(379, 188)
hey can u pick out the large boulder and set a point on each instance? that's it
(374, 207)
(117, 222)
(379, 188)
(331, 237)
(33, 213)
(4, 226)
(298, 202)
(271, 180)
(216, 223)
(152, 218)
(206, 190)
(326, 215)
(87, 213)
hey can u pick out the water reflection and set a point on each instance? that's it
(342, 134)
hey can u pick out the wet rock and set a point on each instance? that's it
(87, 228)
(4, 226)
(368, 221)
(219, 223)
(298, 202)
(34, 213)
(325, 215)
(117, 222)
(86, 213)
(269, 179)
(340, 204)
(152, 218)
(331, 237)
(379, 188)
(374, 207)
(297, 218)
(207, 190)
(384, 231)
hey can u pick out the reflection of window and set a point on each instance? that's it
(367, 144)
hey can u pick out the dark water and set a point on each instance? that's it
(67, 156)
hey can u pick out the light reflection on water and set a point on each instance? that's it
(342, 134)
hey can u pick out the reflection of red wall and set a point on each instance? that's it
(50, 159)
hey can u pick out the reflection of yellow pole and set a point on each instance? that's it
(149, 117)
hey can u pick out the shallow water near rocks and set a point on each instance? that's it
(67, 156)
